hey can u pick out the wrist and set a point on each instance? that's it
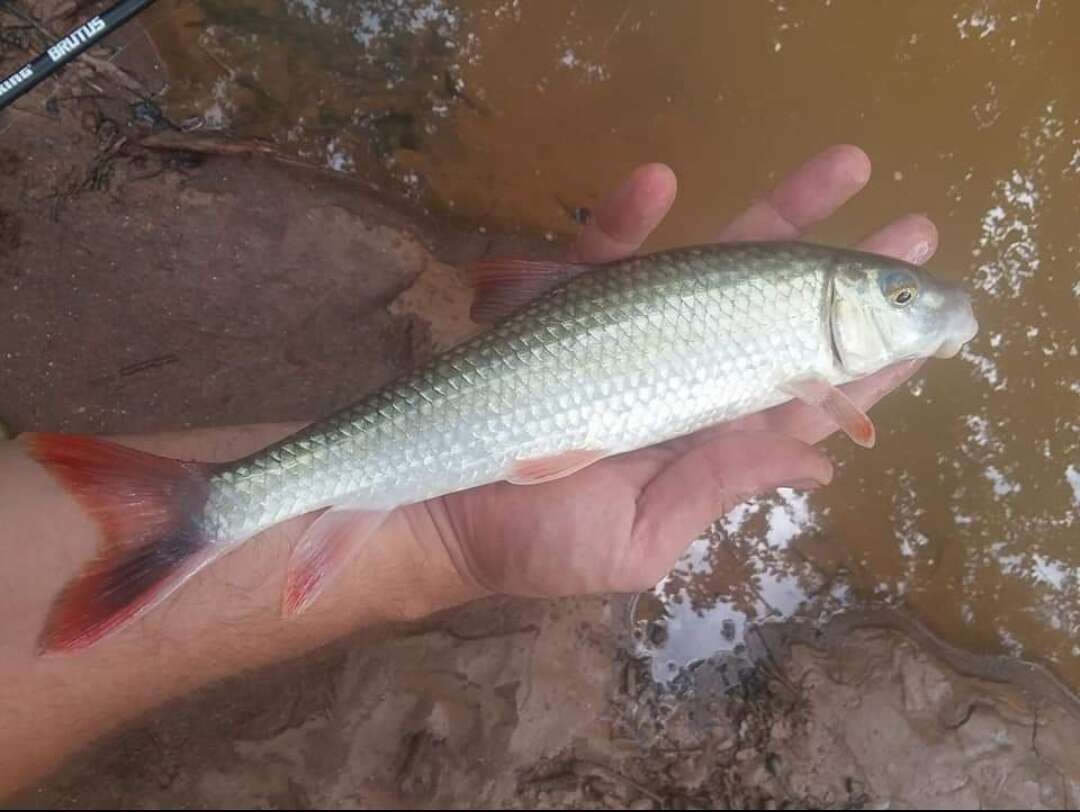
(225, 620)
(433, 550)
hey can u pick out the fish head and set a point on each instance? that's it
(884, 312)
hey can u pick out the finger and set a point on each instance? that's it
(629, 214)
(804, 198)
(706, 482)
(912, 238)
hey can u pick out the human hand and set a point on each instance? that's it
(620, 524)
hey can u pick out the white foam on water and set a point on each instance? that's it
(1001, 483)
(1072, 476)
(978, 24)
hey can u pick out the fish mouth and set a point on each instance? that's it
(965, 328)
(949, 349)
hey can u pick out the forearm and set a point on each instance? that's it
(225, 620)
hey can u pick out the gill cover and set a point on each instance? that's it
(883, 311)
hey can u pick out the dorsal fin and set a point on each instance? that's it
(503, 286)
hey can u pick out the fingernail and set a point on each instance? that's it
(919, 252)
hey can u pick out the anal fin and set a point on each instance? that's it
(323, 551)
(547, 469)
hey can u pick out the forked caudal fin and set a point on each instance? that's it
(147, 508)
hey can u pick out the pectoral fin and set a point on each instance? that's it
(852, 420)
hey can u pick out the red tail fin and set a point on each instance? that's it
(147, 508)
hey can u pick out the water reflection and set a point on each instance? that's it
(746, 570)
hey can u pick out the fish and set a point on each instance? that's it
(580, 363)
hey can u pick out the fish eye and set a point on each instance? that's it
(904, 296)
(900, 288)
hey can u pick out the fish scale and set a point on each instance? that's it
(619, 358)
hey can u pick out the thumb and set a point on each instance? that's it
(706, 482)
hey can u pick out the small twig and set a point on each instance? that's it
(613, 774)
(150, 363)
(1035, 731)
(615, 30)
(208, 145)
(28, 19)
(118, 76)
(773, 666)
(137, 367)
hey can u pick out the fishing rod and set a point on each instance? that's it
(67, 48)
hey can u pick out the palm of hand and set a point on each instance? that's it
(620, 524)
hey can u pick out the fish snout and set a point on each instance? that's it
(962, 327)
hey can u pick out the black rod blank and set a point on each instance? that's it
(66, 49)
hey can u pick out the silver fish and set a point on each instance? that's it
(616, 358)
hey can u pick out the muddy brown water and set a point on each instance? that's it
(517, 114)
